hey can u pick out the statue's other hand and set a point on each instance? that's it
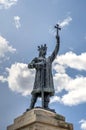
(39, 65)
(29, 66)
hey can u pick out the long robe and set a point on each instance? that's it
(43, 77)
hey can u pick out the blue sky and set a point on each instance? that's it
(25, 24)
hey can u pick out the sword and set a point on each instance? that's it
(43, 84)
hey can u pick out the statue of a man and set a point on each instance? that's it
(43, 85)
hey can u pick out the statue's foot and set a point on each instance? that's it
(28, 109)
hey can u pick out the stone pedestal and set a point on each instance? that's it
(40, 119)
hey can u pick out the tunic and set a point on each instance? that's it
(43, 77)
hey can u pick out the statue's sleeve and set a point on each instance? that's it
(55, 52)
(32, 64)
(35, 64)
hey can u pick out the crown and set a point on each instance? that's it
(42, 47)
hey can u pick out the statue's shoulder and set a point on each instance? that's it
(35, 58)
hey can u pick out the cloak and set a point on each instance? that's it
(43, 77)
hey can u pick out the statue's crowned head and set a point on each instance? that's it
(42, 50)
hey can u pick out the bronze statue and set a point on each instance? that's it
(43, 85)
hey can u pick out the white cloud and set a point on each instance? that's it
(3, 79)
(55, 99)
(52, 31)
(76, 92)
(75, 88)
(65, 22)
(5, 47)
(17, 22)
(72, 60)
(62, 24)
(83, 124)
(61, 82)
(20, 78)
(7, 3)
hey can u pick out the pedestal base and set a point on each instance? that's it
(40, 119)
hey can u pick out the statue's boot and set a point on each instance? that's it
(46, 101)
(33, 101)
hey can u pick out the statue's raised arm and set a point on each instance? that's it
(55, 52)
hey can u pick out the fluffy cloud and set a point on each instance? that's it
(17, 22)
(5, 47)
(65, 22)
(3, 79)
(62, 24)
(20, 79)
(72, 60)
(61, 82)
(83, 124)
(75, 88)
(7, 3)
(55, 99)
(76, 94)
